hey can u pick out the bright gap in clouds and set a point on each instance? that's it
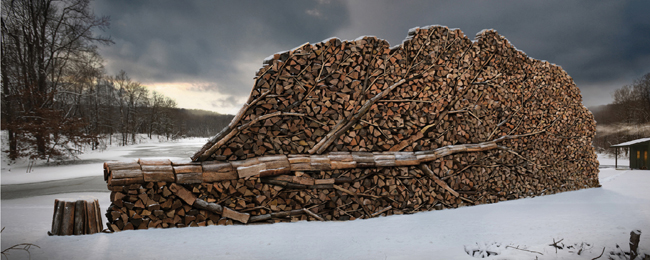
(196, 96)
(226, 96)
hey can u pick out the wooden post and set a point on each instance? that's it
(616, 158)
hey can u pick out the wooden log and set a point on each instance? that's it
(183, 193)
(157, 176)
(184, 162)
(275, 165)
(381, 211)
(114, 188)
(406, 159)
(98, 216)
(433, 176)
(259, 218)
(321, 186)
(341, 180)
(213, 207)
(125, 181)
(232, 214)
(384, 160)
(285, 184)
(320, 162)
(364, 159)
(216, 166)
(299, 158)
(57, 218)
(343, 165)
(309, 212)
(274, 171)
(219, 176)
(304, 180)
(79, 218)
(157, 168)
(218, 171)
(189, 178)
(91, 218)
(252, 170)
(302, 166)
(155, 162)
(67, 222)
(122, 174)
(118, 165)
(284, 178)
(188, 169)
(284, 214)
(324, 181)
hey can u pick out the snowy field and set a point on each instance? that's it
(586, 221)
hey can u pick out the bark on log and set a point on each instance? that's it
(67, 224)
(57, 218)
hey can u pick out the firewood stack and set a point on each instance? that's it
(355, 129)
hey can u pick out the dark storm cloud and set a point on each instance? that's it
(601, 44)
(159, 41)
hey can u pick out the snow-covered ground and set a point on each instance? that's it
(585, 221)
(609, 161)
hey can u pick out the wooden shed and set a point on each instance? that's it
(639, 149)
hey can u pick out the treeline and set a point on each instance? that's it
(627, 118)
(56, 97)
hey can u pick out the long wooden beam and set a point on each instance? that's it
(185, 171)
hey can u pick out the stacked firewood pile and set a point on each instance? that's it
(355, 129)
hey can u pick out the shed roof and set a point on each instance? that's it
(628, 143)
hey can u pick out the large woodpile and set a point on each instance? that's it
(355, 129)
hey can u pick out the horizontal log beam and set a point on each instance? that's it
(259, 166)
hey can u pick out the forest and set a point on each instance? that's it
(625, 119)
(56, 96)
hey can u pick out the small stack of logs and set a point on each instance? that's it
(354, 129)
(76, 218)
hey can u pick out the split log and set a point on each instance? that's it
(57, 218)
(231, 214)
(438, 181)
(67, 224)
(214, 207)
(183, 193)
(79, 218)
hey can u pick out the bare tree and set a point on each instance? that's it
(634, 101)
(42, 40)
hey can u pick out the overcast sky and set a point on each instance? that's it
(204, 54)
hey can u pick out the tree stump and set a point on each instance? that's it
(76, 218)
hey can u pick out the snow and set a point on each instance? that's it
(632, 142)
(599, 217)
(609, 161)
(364, 36)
